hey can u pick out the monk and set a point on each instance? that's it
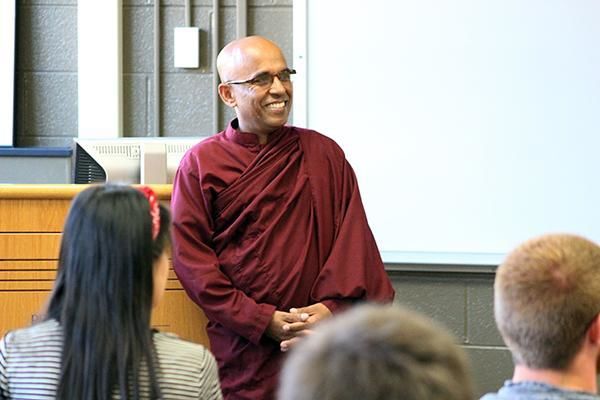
(270, 234)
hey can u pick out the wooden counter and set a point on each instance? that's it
(31, 222)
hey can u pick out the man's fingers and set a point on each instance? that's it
(303, 312)
(295, 327)
(287, 344)
(296, 317)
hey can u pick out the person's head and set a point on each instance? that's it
(256, 83)
(112, 269)
(546, 297)
(108, 256)
(376, 352)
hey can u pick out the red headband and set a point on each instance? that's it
(154, 210)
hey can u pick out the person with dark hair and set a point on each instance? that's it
(270, 234)
(96, 341)
(376, 352)
(547, 308)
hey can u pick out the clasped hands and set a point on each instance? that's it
(289, 327)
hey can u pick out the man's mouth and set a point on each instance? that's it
(280, 105)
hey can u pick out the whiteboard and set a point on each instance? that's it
(471, 125)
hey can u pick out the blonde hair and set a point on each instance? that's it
(547, 292)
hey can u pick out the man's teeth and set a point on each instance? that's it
(278, 106)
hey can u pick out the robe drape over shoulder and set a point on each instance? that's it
(259, 228)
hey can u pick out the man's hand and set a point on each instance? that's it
(288, 328)
(280, 326)
(309, 316)
(285, 345)
(315, 312)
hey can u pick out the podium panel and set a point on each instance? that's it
(31, 222)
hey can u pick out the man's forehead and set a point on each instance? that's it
(255, 62)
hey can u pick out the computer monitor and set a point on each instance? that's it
(129, 160)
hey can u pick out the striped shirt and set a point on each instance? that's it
(30, 361)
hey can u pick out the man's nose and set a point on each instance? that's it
(277, 86)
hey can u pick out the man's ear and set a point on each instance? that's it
(227, 95)
(593, 332)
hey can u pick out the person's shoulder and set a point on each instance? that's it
(45, 337)
(490, 396)
(172, 346)
(311, 136)
(205, 147)
(187, 368)
(183, 364)
(316, 141)
(41, 331)
(209, 142)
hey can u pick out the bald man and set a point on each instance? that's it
(270, 234)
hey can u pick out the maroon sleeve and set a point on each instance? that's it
(197, 265)
(352, 268)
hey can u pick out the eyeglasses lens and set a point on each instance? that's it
(266, 79)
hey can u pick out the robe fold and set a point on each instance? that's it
(259, 228)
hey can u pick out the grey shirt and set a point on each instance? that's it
(30, 361)
(530, 390)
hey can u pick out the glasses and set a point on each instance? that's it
(265, 79)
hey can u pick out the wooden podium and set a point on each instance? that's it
(31, 222)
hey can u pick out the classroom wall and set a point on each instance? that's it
(46, 82)
(46, 102)
(460, 298)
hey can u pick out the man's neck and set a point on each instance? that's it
(263, 138)
(576, 377)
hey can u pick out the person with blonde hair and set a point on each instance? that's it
(546, 305)
(377, 352)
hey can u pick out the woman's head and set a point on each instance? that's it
(112, 269)
(108, 254)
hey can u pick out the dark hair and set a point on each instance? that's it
(102, 297)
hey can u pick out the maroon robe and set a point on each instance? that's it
(260, 228)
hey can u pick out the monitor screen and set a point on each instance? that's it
(129, 160)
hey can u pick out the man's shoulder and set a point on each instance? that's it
(204, 148)
(315, 141)
(311, 136)
(534, 390)
(206, 143)
(490, 396)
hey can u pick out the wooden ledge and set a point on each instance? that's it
(31, 191)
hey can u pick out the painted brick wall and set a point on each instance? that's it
(46, 83)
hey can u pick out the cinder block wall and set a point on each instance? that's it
(46, 73)
(46, 84)
(463, 302)
(46, 104)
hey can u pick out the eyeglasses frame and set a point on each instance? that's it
(252, 81)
